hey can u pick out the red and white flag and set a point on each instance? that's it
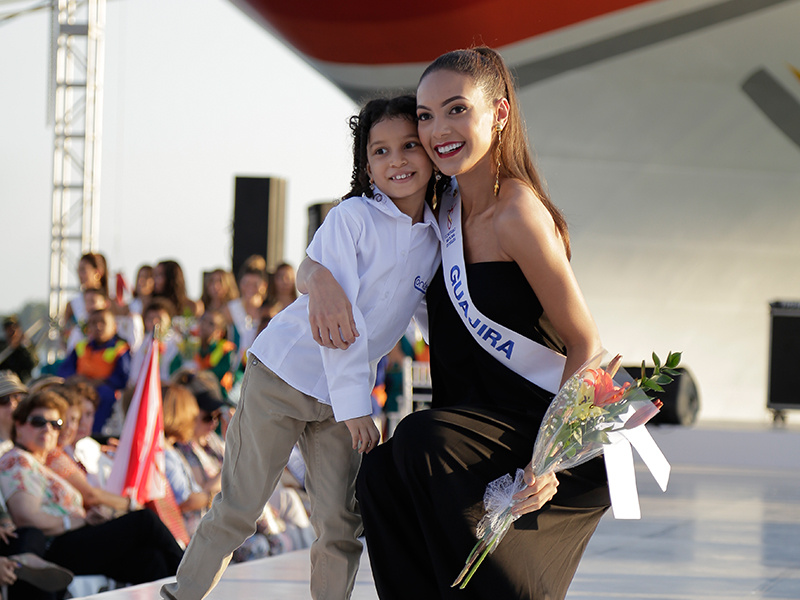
(138, 470)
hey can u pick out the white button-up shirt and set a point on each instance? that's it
(384, 264)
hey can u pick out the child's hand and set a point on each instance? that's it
(364, 433)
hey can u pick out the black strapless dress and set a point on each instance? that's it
(421, 493)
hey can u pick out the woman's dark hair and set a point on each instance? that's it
(174, 285)
(232, 290)
(374, 111)
(44, 399)
(98, 262)
(143, 269)
(490, 74)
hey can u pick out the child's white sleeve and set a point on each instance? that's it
(335, 246)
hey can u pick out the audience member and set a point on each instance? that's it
(215, 354)
(245, 313)
(12, 390)
(204, 451)
(159, 313)
(169, 283)
(85, 450)
(104, 358)
(283, 290)
(93, 300)
(143, 290)
(92, 275)
(16, 352)
(180, 412)
(133, 548)
(65, 466)
(219, 288)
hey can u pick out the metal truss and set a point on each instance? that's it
(77, 51)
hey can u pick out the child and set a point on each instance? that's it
(159, 312)
(383, 244)
(103, 357)
(215, 353)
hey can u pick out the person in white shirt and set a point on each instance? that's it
(382, 244)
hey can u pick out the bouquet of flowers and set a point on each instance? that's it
(588, 407)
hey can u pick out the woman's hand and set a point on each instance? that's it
(364, 433)
(539, 491)
(94, 516)
(8, 573)
(7, 530)
(329, 310)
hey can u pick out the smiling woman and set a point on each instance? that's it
(84, 542)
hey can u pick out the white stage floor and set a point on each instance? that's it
(728, 528)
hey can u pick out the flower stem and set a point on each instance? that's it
(494, 539)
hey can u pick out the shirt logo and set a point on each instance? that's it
(421, 284)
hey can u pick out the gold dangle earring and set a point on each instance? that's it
(499, 129)
(436, 179)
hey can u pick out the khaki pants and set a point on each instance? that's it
(271, 417)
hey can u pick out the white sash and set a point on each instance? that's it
(542, 366)
(536, 363)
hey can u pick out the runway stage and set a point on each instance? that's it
(728, 528)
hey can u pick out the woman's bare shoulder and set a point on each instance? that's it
(519, 208)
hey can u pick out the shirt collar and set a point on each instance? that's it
(384, 204)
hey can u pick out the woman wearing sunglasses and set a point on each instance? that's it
(134, 548)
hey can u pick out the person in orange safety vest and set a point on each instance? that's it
(103, 357)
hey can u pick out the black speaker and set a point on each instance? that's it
(784, 356)
(258, 220)
(681, 398)
(316, 215)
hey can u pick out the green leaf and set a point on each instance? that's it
(673, 359)
(656, 361)
(644, 372)
(652, 385)
(663, 379)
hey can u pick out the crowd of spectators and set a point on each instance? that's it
(60, 423)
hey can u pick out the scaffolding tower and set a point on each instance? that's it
(77, 50)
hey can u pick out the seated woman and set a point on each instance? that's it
(180, 413)
(133, 548)
(244, 313)
(204, 451)
(87, 452)
(284, 521)
(61, 463)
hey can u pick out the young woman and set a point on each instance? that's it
(219, 288)
(143, 290)
(92, 275)
(283, 290)
(421, 493)
(169, 283)
(244, 313)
